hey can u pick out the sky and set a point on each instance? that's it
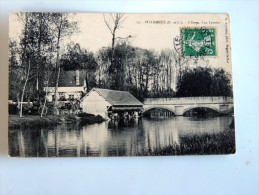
(150, 31)
(94, 33)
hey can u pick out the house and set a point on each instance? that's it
(111, 103)
(71, 86)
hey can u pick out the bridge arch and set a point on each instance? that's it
(158, 107)
(198, 106)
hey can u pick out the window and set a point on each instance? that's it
(53, 97)
(71, 97)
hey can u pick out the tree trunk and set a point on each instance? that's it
(87, 82)
(56, 112)
(180, 70)
(39, 53)
(112, 62)
(24, 87)
(167, 76)
(45, 99)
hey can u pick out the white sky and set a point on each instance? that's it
(94, 34)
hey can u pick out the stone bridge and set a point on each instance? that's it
(179, 106)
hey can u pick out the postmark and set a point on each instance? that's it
(198, 41)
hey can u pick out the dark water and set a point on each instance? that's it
(111, 139)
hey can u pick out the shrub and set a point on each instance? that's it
(84, 114)
(13, 109)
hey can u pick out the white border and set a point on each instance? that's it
(227, 174)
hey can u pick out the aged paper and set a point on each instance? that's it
(88, 84)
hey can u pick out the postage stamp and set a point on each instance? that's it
(199, 41)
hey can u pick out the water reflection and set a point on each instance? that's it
(125, 138)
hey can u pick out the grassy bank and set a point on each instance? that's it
(221, 143)
(83, 119)
(35, 121)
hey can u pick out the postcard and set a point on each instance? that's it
(114, 84)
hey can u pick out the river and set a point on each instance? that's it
(111, 138)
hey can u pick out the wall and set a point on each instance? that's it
(66, 89)
(93, 103)
(180, 105)
(76, 91)
(188, 100)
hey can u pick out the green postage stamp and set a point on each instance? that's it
(199, 41)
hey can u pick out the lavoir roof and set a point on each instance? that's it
(117, 98)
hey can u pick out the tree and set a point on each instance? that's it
(27, 55)
(221, 84)
(61, 26)
(35, 41)
(78, 58)
(113, 23)
(14, 72)
(144, 67)
(40, 37)
(103, 61)
(139, 71)
(27, 74)
(204, 82)
(164, 74)
(120, 77)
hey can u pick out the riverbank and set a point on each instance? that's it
(221, 143)
(35, 121)
(32, 121)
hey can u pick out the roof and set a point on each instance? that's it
(67, 79)
(117, 98)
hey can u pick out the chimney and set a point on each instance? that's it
(77, 77)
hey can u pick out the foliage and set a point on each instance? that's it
(204, 82)
(139, 71)
(220, 143)
(14, 71)
(37, 53)
(77, 58)
(13, 109)
(35, 42)
(86, 118)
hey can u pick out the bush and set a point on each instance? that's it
(84, 114)
(13, 109)
(87, 118)
(220, 143)
(204, 82)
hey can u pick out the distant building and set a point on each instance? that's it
(109, 103)
(71, 86)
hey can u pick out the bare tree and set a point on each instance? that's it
(27, 74)
(29, 69)
(43, 108)
(113, 22)
(27, 53)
